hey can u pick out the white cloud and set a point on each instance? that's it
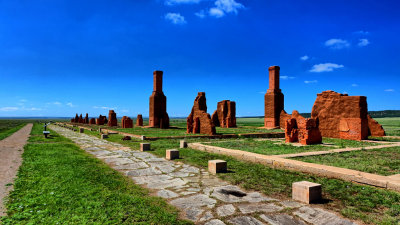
(177, 2)
(223, 7)
(354, 85)
(70, 104)
(286, 77)
(104, 107)
(363, 42)
(8, 109)
(310, 81)
(337, 43)
(175, 18)
(325, 67)
(124, 111)
(57, 103)
(32, 109)
(229, 6)
(304, 58)
(261, 92)
(217, 13)
(201, 14)
(389, 90)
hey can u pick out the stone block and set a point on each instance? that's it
(306, 192)
(172, 154)
(104, 136)
(144, 147)
(81, 130)
(183, 144)
(217, 166)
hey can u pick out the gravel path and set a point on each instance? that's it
(199, 195)
(11, 149)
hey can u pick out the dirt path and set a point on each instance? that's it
(11, 150)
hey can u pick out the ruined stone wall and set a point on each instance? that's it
(139, 120)
(101, 120)
(302, 130)
(92, 121)
(199, 121)
(126, 122)
(225, 115)
(112, 119)
(374, 128)
(341, 116)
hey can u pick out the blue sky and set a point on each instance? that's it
(62, 57)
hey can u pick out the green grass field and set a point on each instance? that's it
(268, 147)
(8, 127)
(58, 183)
(391, 125)
(384, 161)
(369, 204)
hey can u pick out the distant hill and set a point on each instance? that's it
(384, 113)
(374, 114)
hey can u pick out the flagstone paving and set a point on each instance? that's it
(200, 196)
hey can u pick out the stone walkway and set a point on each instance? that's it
(200, 196)
(11, 149)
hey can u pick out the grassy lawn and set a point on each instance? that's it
(58, 183)
(267, 147)
(369, 204)
(8, 127)
(391, 125)
(384, 161)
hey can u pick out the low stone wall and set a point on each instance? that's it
(389, 182)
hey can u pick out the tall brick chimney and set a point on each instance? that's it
(274, 99)
(157, 81)
(158, 116)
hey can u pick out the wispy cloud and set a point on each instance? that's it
(104, 107)
(124, 110)
(32, 109)
(363, 42)
(8, 109)
(354, 85)
(261, 92)
(310, 81)
(337, 43)
(12, 109)
(177, 2)
(325, 67)
(201, 14)
(389, 90)
(361, 32)
(286, 77)
(70, 104)
(175, 18)
(304, 58)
